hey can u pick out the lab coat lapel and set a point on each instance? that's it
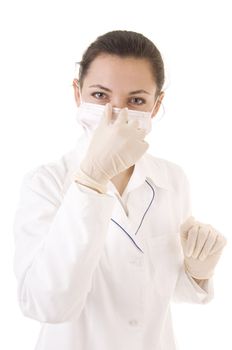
(138, 204)
(140, 201)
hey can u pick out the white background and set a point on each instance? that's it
(40, 41)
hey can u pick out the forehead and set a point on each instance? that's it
(113, 71)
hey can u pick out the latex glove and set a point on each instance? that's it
(202, 246)
(113, 148)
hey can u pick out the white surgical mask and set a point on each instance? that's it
(89, 116)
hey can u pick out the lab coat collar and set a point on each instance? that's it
(152, 168)
(146, 168)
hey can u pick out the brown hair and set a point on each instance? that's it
(124, 43)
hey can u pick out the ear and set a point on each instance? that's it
(76, 91)
(158, 104)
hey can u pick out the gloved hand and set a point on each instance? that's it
(113, 148)
(202, 246)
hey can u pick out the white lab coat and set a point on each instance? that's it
(99, 271)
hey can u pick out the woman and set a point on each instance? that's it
(105, 239)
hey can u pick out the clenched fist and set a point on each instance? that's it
(202, 246)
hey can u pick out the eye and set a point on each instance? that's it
(99, 95)
(137, 100)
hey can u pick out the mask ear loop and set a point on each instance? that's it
(78, 85)
(76, 75)
(80, 96)
(163, 112)
(155, 106)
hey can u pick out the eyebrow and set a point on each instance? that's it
(130, 93)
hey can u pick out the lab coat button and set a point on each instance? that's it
(133, 322)
(136, 262)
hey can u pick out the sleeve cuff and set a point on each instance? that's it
(204, 290)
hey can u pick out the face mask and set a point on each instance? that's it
(89, 115)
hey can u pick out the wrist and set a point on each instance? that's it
(199, 280)
(88, 185)
(83, 179)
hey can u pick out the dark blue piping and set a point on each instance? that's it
(127, 234)
(148, 206)
(141, 220)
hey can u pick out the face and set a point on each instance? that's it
(123, 82)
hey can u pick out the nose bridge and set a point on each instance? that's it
(118, 101)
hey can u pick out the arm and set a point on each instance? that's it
(59, 240)
(189, 289)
